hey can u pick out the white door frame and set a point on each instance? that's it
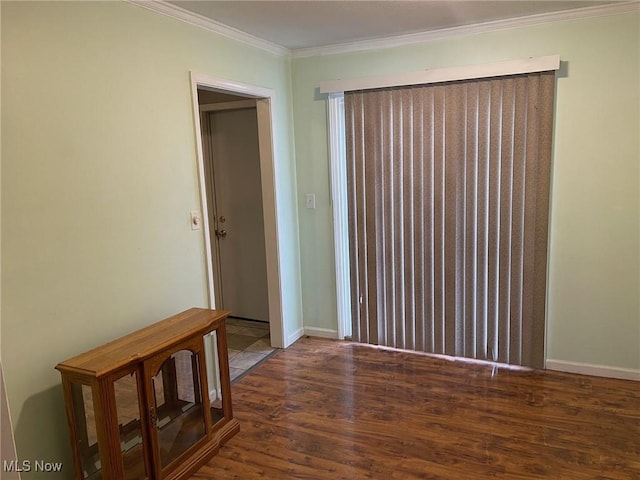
(265, 99)
(340, 206)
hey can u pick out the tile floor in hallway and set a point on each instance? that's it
(248, 343)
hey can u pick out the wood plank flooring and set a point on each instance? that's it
(325, 409)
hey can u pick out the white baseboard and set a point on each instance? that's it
(596, 370)
(294, 336)
(321, 332)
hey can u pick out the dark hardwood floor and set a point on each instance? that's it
(325, 409)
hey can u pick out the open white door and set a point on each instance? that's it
(237, 215)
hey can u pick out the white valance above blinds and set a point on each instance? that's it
(498, 69)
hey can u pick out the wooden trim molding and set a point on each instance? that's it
(217, 107)
(487, 70)
(321, 332)
(201, 21)
(475, 29)
(265, 99)
(291, 339)
(595, 370)
(339, 205)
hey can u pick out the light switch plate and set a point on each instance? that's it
(196, 220)
(310, 200)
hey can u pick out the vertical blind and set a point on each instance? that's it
(448, 192)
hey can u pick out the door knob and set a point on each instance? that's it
(221, 233)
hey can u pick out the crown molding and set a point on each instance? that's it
(444, 33)
(178, 13)
(173, 11)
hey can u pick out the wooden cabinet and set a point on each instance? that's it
(155, 404)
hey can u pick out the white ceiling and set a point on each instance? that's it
(305, 24)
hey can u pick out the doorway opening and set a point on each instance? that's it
(237, 190)
(234, 197)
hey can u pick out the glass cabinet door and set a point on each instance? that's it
(126, 390)
(177, 411)
(86, 435)
(213, 377)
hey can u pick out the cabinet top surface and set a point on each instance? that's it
(142, 344)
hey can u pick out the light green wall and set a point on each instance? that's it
(99, 176)
(593, 306)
